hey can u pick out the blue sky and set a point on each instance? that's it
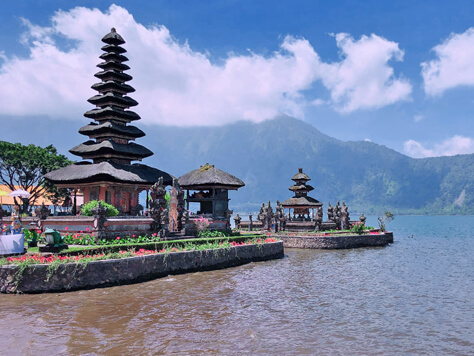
(352, 69)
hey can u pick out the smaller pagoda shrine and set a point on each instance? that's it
(301, 206)
(209, 187)
(111, 176)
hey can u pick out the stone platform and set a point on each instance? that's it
(96, 274)
(336, 242)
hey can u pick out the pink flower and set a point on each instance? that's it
(154, 234)
(87, 229)
(66, 228)
(133, 235)
(118, 237)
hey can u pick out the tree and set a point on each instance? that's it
(24, 166)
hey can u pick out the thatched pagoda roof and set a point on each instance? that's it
(86, 172)
(207, 177)
(108, 127)
(301, 202)
(108, 147)
(113, 38)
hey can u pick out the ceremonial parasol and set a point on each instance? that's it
(20, 193)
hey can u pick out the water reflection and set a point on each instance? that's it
(414, 296)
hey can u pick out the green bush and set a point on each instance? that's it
(86, 209)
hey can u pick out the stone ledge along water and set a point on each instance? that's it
(103, 273)
(337, 242)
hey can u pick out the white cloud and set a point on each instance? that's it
(363, 79)
(454, 65)
(179, 86)
(418, 118)
(453, 146)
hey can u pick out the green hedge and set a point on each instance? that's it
(152, 245)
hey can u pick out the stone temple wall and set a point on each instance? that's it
(337, 242)
(72, 276)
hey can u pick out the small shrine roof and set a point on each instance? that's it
(301, 202)
(208, 176)
(85, 172)
(300, 175)
(301, 187)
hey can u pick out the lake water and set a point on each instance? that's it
(414, 297)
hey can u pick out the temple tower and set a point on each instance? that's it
(111, 176)
(301, 203)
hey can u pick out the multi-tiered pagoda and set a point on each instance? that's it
(111, 176)
(301, 203)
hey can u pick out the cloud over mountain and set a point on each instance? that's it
(455, 145)
(177, 85)
(454, 65)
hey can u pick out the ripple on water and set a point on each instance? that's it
(413, 297)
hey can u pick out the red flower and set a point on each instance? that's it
(66, 228)
(87, 229)
(118, 237)
(133, 235)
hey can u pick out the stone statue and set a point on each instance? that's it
(319, 218)
(100, 213)
(250, 222)
(337, 215)
(237, 220)
(362, 219)
(42, 212)
(330, 213)
(344, 217)
(157, 203)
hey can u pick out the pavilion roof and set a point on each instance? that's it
(208, 176)
(85, 172)
(301, 202)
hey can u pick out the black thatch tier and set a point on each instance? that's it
(110, 148)
(112, 113)
(113, 38)
(107, 128)
(113, 99)
(113, 75)
(208, 176)
(114, 57)
(301, 188)
(301, 201)
(113, 66)
(110, 85)
(85, 172)
(113, 49)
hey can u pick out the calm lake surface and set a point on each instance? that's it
(414, 297)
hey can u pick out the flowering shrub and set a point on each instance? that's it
(87, 208)
(27, 260)
(359, 228)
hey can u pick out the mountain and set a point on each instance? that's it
(369, 177)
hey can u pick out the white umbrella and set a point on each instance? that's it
(19, 193)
